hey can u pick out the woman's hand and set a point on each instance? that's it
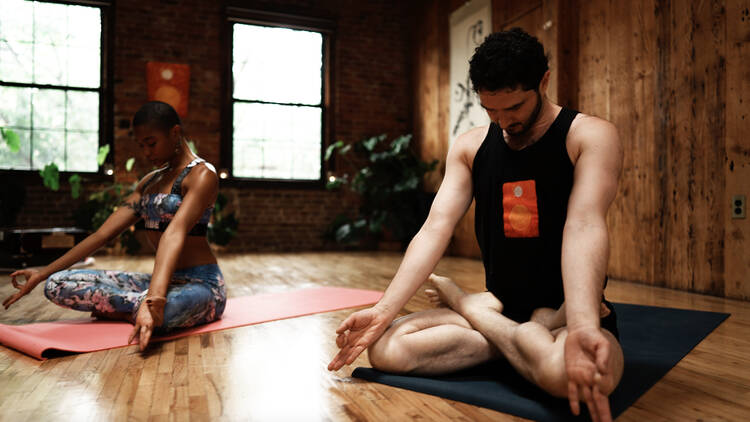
(148, 317)
(33, 278)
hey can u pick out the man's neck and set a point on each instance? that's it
(547, 115)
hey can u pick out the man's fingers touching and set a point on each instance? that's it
(345, 325)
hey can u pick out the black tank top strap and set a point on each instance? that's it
(562, 124)
(177, 186)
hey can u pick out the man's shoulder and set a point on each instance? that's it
(468, 143)
(586, 126)
(591, 132)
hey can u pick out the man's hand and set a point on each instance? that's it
(357, 333)
(144, 327)
(32, 280)
(587, 356)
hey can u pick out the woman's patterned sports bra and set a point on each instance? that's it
(158, 209)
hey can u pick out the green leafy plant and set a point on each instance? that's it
(388, 184)
(223, 227)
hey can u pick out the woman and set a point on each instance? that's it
(175, 203)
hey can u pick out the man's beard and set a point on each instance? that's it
(531, 120)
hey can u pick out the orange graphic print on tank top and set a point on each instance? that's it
(520, 214)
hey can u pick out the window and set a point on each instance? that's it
(50, 84)
(277, 102)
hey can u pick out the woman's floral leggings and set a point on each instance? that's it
(195, 295)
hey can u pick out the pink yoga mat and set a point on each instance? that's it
(88, 335)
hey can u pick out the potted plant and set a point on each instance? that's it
(223, 225)
(388, 183)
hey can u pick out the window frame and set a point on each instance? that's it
(105, 90)
(324, 26)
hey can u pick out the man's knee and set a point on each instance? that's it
(552, 377)
(390, 354)
(543, 356)
(532, 340)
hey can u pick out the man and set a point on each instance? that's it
(543, 178)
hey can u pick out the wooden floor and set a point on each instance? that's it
(277, 371)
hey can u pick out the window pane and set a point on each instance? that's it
(277, 141)
(50, 65)
(15, 61)
(81, 151)
(83, 67)
(15, 108)
(16, 20)
(50, 24)
(277, 64)
(48, 146)
(248, 158)
(83, 111)
(84, 27)
(49, 109)
(20, 160)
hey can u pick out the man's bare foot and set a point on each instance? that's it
(553, 319)
(445, 292)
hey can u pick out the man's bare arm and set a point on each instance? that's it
(361, 329)
(589, 353)
(585, 249)
(429, 244)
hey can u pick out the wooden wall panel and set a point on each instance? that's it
(694, 221)
(629, 58)
(737, 162)
(427, 123)
(657, 69)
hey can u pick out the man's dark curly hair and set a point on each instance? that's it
(508, 60)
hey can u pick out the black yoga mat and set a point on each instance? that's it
(653, 340)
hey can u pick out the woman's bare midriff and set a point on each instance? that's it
(195, 251)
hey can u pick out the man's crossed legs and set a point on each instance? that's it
(472, 330)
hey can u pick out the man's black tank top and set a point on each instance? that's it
(521, 206)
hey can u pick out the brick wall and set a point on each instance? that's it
(370, 93)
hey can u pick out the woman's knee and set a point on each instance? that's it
(194, 305)
(54, 286)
